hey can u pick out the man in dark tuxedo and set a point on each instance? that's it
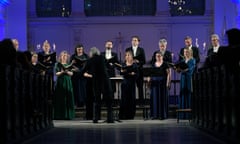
(212, 58)
(98, 83)
(215, 41)
(140, 59)
(188, 44)
(110, 58)
(167, 55)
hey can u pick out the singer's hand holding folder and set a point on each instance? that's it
(179, 65)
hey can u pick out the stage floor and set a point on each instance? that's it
(136, 131)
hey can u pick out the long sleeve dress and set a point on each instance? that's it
(79, 81)
(128, 96)
(159, 97)
(63, 100)
(186, 87)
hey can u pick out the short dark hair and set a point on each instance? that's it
(109, 41)
(79, 45)
(187, 37)
(137, 37)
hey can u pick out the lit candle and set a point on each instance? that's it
(38, 47)
(196, 43)
(204, 46)
(54, 46)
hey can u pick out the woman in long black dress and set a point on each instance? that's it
(159, 87)
(129, 71)
(79, 59)
(47, 57)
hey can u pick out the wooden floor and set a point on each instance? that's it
(137, 131)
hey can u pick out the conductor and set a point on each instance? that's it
(98, 84)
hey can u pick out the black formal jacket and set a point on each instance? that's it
(212, 59)
(210, 51)
(140, 55)
(110, 63)
(49, 63)
(166, 58)
(100, 80)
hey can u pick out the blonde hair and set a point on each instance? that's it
(63, 53)
(190, 52)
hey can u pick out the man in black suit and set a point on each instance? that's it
(140, 59)
(215, 41)
(98, 83)
(212, 58)
(167, 55)
(110, 58)
(188, 44)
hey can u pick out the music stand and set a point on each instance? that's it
(151, 71)
(117, 79)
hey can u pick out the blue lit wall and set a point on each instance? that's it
(236, 1)
(3, 4)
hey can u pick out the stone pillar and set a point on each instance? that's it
(2, 23)
(77, 8)
(16, 19)
(238, 15)
(224, 18)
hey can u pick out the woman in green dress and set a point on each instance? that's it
(63, 100)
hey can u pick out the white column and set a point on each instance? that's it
(224, 17)
(16, 22)
(2, 27)
(77, 8)
(238, 15)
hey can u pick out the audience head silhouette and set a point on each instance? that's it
(233, 36)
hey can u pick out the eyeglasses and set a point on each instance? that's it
(214, 39)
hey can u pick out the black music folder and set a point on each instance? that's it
(42, 66)
(179, 65)
(47, 58)
(152, 71)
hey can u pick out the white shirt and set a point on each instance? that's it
(215, 49)
(190, 47)
(134, 50)
(108, 54)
